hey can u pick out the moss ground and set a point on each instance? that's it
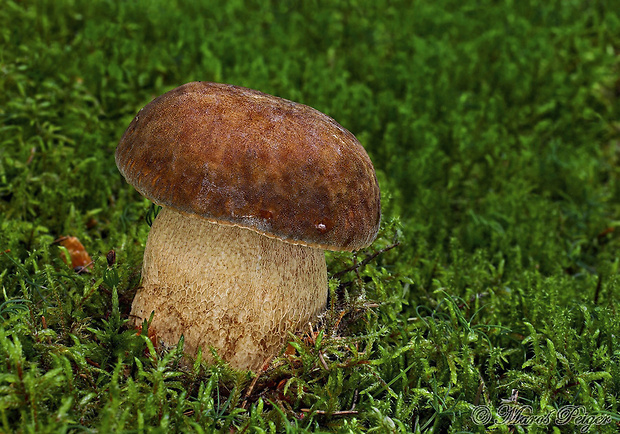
(495, 130)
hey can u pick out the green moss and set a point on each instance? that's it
(494, 130)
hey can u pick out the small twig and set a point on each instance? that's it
(323, 361)
(367, 260)
(84, 268)
(92, 363)
(254, 381)
(342, 314)
(335, 413)
(354, 400)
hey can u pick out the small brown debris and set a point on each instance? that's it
(80, 259)
(111, 258)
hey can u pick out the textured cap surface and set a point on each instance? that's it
(241, 157)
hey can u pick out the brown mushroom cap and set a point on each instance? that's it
(241, 157)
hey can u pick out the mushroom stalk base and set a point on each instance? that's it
(227, 287)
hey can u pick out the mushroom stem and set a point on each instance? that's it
(227, 287)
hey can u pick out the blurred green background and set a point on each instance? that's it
(490, 122)
(494, 127)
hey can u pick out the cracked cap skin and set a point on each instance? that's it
(240, 157)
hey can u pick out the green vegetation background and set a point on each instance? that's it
(495, 130)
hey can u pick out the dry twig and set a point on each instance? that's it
(367, 260)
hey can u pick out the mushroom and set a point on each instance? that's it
(254, 188)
